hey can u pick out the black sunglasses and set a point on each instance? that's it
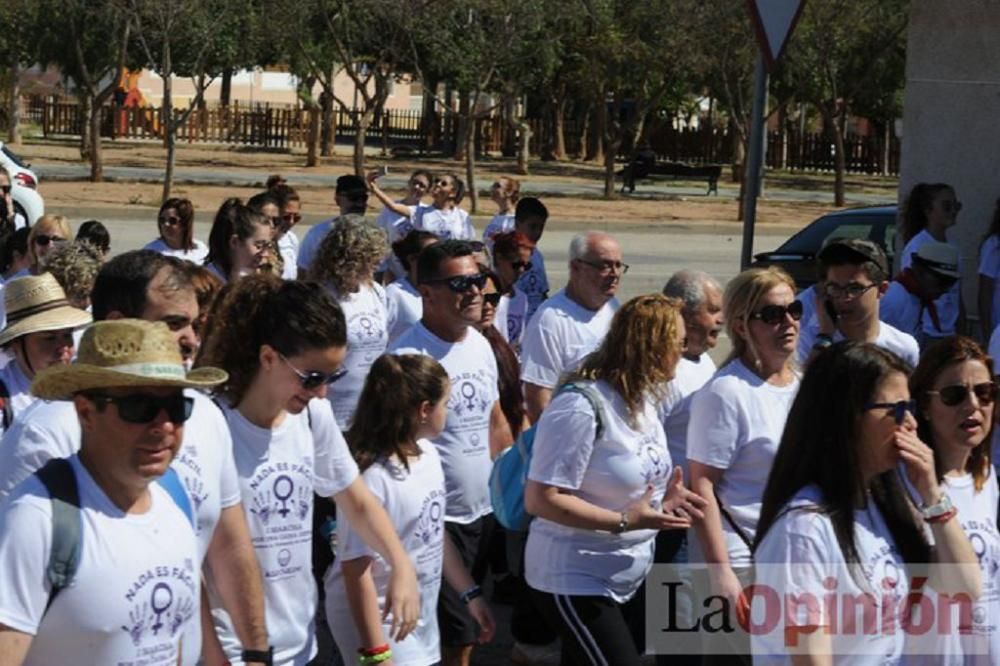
(43, 240)
(313, 379)
(170, 221)
(492, 299)
(899, 409)
(956, 394)
(141, 408)
(774, 314)
(461, 283)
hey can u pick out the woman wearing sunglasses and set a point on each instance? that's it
(737, 419)
(836, 523)
(240, 242)
(345, 263)
(955, 394)
(512, 253)
(505, 193)
(175, 223)
(442, 217)
(48, 231)
(396, 225)
(290, 210)
(283, 343)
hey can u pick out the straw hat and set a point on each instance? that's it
(38, 303)
(120, 353)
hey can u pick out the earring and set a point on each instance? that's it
(423, 421)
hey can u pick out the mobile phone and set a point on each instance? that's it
(830, 310)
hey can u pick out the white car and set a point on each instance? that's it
(28, 203)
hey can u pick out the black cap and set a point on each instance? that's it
(853, 250)
(351, 185)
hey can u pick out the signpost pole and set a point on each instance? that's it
(755, 158)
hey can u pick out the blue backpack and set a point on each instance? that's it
(510, 469)
(67, 523)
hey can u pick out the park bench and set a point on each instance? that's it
(675, 170)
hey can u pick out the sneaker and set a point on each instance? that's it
(535, 655)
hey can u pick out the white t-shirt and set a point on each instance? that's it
(989, 265)
(18, 388)
(993, 349)
(559, 336)
(512, 324)
(948, 304)
(611, 473)
(404, 307)
(675, 409)
(801, 551)
(888, 337)
(393, 225)
(288, 245)
(311, 242)
(902, 310)
(534, 283)
(136, 591)
(464, 445)
(195, 255)
(279, 469)
(415, 502)
(808, 299)
(367, 337)
(445, 224)
(736, 425)
(501, 223)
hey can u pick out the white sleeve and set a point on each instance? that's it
(540, 358)
(714, 431)
(307, 250)
(335, 468)
(989, 260)
(350, 545)
(28, 445)
(25, 542)
(229, 483)
(568, 418)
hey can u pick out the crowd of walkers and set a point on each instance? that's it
(232, 451)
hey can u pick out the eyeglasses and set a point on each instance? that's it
(261, 245)
(774, 314)
(461, 283)
(291, 218)
(520, 266)
(170, 221)
(443, 182)
(899, 409)
(312, 379)
(492, 299)
(956, 394)
(852, 290)
(606, 266)
(43, 240)
(140, 408)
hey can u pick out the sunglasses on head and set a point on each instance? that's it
(492, 299)
(774, 314)
(312, 379)
(461, 283)
(43, 239)
(899, 409)
(140, 408)
(956, 394)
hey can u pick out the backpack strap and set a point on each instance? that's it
(8, 411)
(67, 524)
(593, 397)
(171, 482)
(744, 537)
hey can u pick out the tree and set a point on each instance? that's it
(18, 27)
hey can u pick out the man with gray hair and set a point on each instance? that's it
(574, 321)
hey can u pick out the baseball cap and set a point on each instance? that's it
(941, 258)
(854, 250)
(351, 185)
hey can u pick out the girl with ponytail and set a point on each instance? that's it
(404, 403)
(284, 342)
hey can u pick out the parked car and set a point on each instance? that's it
(28, 202)
(797, 255)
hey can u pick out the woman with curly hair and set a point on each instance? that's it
(75, 266)
(175, 222)
(240, 242)
(283, 343)
(601, 484)
(345, 264)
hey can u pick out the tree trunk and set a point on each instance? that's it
(359, 148)
(595, 152)
(584, 136)
(429, 121)
(523, 146)
(470, 167)
(14, 107)
(329, 123)
(886, 146)
(509, 127)
(559, 124)
(312, 150)
(465, 126)
(96, 155)
(834, 131)
(739, 153)
(86, 103)
(167, 122)
(612, 141)
(227, 86)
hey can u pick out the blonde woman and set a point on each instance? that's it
(737, 420)
(601, 484)
(345, 264)
(48, 232)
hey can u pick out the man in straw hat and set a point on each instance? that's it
(39, 333)
(150, 286)
(136, 585)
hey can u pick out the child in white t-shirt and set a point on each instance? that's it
(403, 404)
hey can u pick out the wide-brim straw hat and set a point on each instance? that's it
(123, 353)
(37, 303)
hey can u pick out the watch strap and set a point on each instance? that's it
(259, 656)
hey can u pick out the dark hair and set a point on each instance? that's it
(12, 241)
(257, 202)
(288, 315)
(422, 172)
(509, 243)
(123, 282)
(95, 233)
(459, 185)
(508, 372)
(847, 257)
(430, 260)
(411, 244)
(530, 207)
(385, 422)
(207, 286)
(185, 212)
(921, 198)
(233, 219)
(820, 447)
(281, 190)
(935, 360)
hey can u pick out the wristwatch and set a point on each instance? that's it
(265, 657)
(939, 508)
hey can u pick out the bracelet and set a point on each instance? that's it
(622, 523)
(265, 657)
(373, 652)
(367, 660)
(472, 593)
(942, 518)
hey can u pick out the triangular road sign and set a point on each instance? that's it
(773, 21)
